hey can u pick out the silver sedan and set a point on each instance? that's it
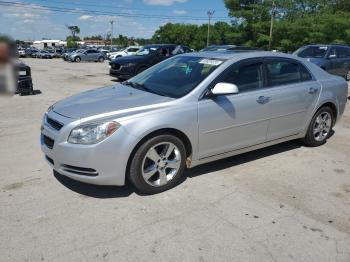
(189, 110)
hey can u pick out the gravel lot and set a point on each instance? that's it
(283, 203)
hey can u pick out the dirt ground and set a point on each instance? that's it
(283, 203)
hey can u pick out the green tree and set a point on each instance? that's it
(71, 43)
(74, 30)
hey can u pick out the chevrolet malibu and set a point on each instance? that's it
(189, 110)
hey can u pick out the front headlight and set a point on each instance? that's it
(93, 133)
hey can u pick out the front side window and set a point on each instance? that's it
(245, 77)
(178, 50)
(343, 52)
(285, 72)
(146, 51)
(312, 51)
(175, 77)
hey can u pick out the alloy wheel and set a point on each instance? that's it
(322, 126)
(161, 164)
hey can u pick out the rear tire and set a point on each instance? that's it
(101, 59)
(158, 164)
(320, 128)
(347, 76)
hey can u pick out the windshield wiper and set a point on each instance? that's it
(143, 87)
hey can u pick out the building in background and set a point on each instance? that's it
(43, 44)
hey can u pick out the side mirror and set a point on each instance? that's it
(224, 89)
(332, 56)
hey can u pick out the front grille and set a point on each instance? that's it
(54, 124)
(48, 141)
(80, 170)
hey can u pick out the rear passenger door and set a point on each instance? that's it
(91, 55)
(337, 60)
(343, 60)
(293, 96)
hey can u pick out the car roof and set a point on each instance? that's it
(234, 55)
(342, 45)
(222, 46)
(160, 45)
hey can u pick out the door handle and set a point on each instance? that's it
(313, 90)
(263, 99)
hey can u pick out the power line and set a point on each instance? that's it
(126, 7)
(100, 13)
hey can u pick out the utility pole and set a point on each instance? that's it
(210, 15)
(111, 22)
(273, 14)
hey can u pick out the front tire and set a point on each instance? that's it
(77, 59)
(320, 128)
(158, 164)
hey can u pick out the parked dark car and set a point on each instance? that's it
(24, 79)
(30, 51)
(335, 59)
(35, 53)
(129, 66)
(45, 54)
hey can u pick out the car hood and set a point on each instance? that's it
(129, 59)
(118, 53)
(118, 100)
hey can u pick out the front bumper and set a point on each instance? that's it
(123, 72)
(101, 164)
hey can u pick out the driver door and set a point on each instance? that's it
(231, 122)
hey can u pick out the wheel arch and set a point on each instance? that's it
(169, 131)
(332, 106)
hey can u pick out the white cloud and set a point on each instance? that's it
(34, 22)
(28, 22)
(85, 17)
(100, 25)
(163, 2)
(179, 12)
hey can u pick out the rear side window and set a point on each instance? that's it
(284, 73)
(246, 77)
(343, 52)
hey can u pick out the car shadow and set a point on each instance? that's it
(243, 158)
(33, 93)
(95, 191)
(102, 192)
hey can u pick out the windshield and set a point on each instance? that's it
(175, 77)
(146, 51)
(312, 51)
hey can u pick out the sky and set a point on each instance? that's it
(38, 19)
